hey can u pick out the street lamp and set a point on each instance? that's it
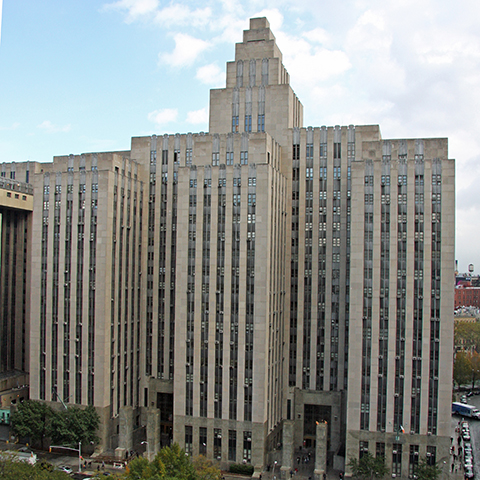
(79, 457)
(274, 465)
(148, 449)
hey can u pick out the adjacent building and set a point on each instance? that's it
(229, 290)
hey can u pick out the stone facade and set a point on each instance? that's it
(253, 290)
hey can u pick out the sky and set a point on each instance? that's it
(82, 76)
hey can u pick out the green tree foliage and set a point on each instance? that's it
(368, 467)
(137, 469)
(31, 420)
(425, 471)
(16, 470)
(467, 334)
(462, 368)
(36, 421)
(205, 469)
(177, 463)
(68, 427)
(171, 463)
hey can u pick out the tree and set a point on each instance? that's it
(368, 467)
(74, 425)
(170, 463)
(462, 369)
(36, 420)
(136, 469)
(205, 469)
(177, 463)
(31, 420)
(11, 469)
(475, 363)
(425, 471)
(467, 335)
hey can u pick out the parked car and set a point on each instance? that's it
(65, 468)
(469, 472)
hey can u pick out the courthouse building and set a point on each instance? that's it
(231, 290)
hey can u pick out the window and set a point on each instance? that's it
(188, 157)
(323, 149)
(232, 445)
(243, 158)
(188, 439)
(215, 159)
(217, 443)
(248, 123)
(337, 150)
(235, 124)
(229, 158)
(203, 441)
(261, 123)
(397, 459)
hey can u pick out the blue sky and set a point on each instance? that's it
(86, 75)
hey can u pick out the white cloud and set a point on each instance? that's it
(274, 17)
(186, 51)
(180, 14)
(212, 75)
(14, 125)
(369, 46)
(317, 35)
(134, 8)
(48, 127)
(163, 116)
(198, 116)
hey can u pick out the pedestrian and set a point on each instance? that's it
(324, 476)
(103, 465)
(298, 460)
(453, 467)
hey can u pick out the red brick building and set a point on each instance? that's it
(467, 296)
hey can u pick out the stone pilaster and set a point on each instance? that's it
(321, 451)
(153, 432)
(288, 449)
(125, 437)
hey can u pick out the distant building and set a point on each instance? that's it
(230, 289)
(467, 295)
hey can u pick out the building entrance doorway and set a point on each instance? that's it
(165, 405)
(312, 415)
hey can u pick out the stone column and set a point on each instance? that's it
(125, 432)
(153, 432)
(321, 451)
(288, 449)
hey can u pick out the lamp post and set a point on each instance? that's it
(274, 465)
(79, 457)
(148, 449)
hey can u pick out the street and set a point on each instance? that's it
(474, 432)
